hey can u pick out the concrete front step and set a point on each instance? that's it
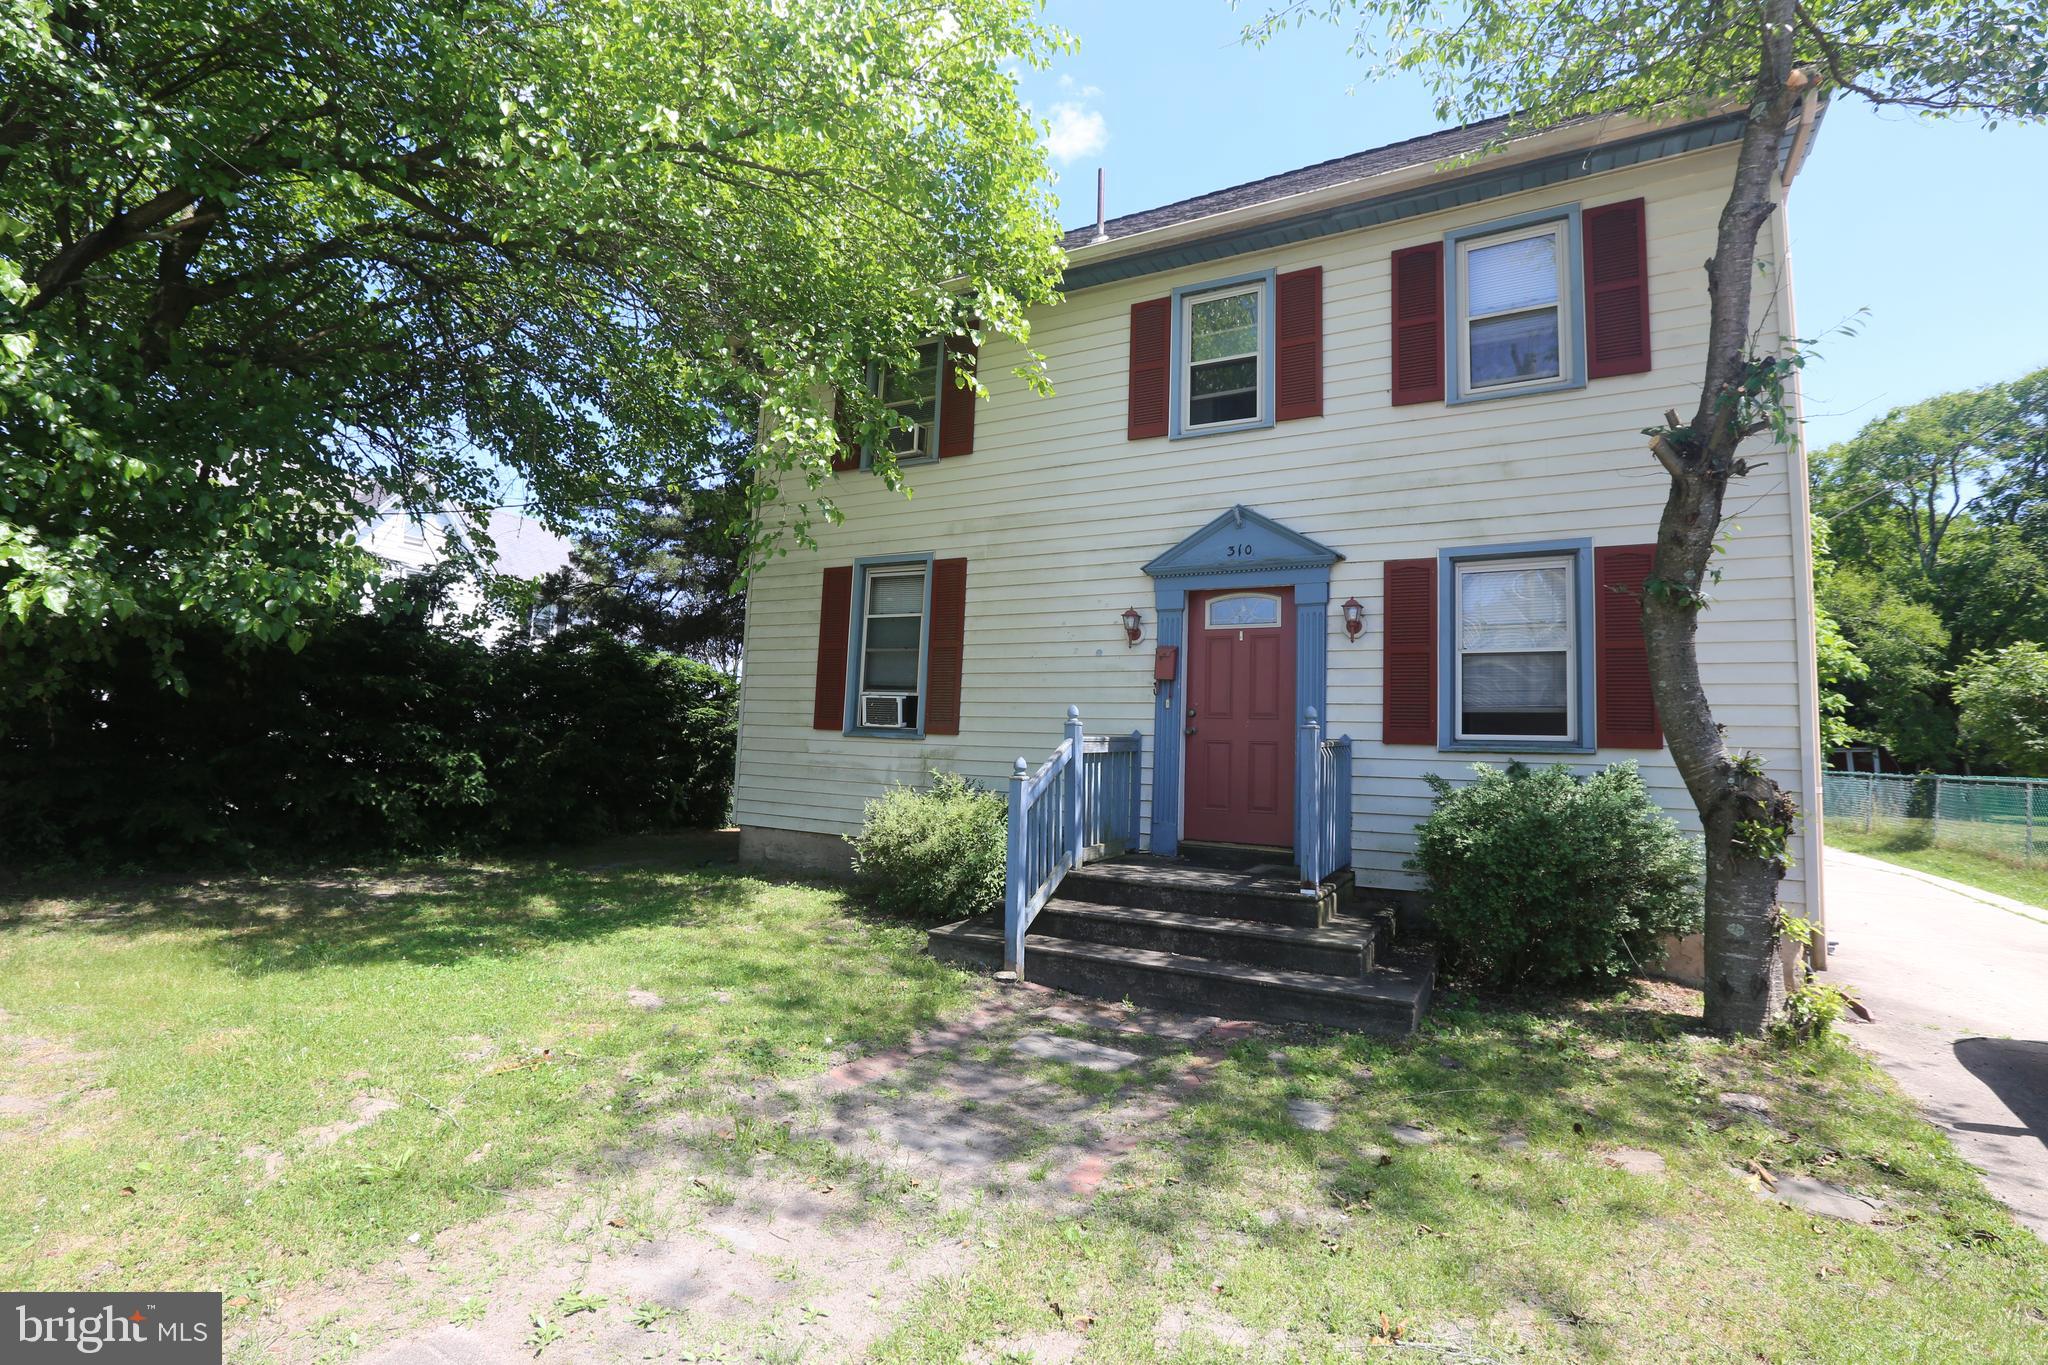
(1239, 857)
(1151, 883)
(1343, 947)
(1389, 999)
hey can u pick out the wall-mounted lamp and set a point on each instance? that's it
(1354, 618)
(1134, 627)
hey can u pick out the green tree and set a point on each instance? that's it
(1900, 699)
(260, 256)
(1553, 60)
(666, 569)
(2003, 700)
(1835, 657)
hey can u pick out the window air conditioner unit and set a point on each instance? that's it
(883, 710)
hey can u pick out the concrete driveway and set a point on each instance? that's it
(1958, 980)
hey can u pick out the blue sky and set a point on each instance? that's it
(1934, 228)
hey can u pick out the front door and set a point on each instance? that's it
(1240, 731)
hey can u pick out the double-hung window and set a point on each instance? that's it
(1224, 360)
(1514, 319)
(912, 395)
(1515, 650)
(892, 644)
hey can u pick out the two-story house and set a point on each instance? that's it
(1363, 440)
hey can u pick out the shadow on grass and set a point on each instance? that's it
(426, 912)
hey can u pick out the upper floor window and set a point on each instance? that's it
(1225, 357)
(913, 395)
(1514, 328)
(1515, 656)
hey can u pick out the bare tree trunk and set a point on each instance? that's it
(1746, 817)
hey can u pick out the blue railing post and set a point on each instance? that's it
(1308, 815)
(1077, 764)
(1014, 877)
(1134, 769)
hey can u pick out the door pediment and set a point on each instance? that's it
(1242, 541)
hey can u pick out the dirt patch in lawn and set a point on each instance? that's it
(796, 1219)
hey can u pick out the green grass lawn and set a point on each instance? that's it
(1914, 847)
(184, 1058)
(1510, 1236)
(182, 1064)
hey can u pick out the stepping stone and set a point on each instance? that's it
(1514, 1142)
(1409, 1135)
(646, 1000)
(1312, 1115)
(1635, 1160)
(1743, 1103)
(1817, 1196)
(1049, 1047)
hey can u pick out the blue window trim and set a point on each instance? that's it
(1574, 303)
(867, 448)
(1581, 554)
(857, 629)
(1178, 352)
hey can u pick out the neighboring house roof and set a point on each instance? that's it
(1414, 151)
(526, 549)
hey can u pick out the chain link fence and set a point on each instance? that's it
(2004, 817)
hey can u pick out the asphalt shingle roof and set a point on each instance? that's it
(1414, 151)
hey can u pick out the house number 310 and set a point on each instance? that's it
(1237, 552)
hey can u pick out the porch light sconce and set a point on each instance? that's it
(1134, 627)
(1354, 618)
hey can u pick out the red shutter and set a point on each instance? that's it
(1298, 339)
(1408, 681)
(835, 613)
(1419, 324)
(956, 404)
(1628, 711)
(1617, 290)
(1151, 345)
(847, 455)
(948, 646)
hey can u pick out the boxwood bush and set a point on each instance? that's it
(1538, 877)
(934, 854)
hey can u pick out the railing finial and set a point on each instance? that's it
(1022, 769)
(1311, 715)
(1073, 713)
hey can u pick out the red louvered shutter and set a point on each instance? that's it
(835, 614)
(1408, 681)
(1628, 711)
(1298, 342)
(1151, 348)
(948, 647)
(1617, 290)
(847, 455)
(956, 404)
(1419, 324)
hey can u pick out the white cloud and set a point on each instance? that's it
(1076, 131)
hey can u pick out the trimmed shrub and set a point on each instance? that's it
(934, 854)
(384, 735)
(1542, 878)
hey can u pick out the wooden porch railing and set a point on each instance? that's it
(1081, 804)
(1322, 805)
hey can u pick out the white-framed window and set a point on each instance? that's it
(913, 395)
(1514, 318)
(892, 643)
(1515, 652)
(1223, 357)
(1242, 611)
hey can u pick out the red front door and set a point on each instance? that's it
(1240, 731)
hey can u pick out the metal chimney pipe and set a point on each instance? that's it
(1101, 232)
